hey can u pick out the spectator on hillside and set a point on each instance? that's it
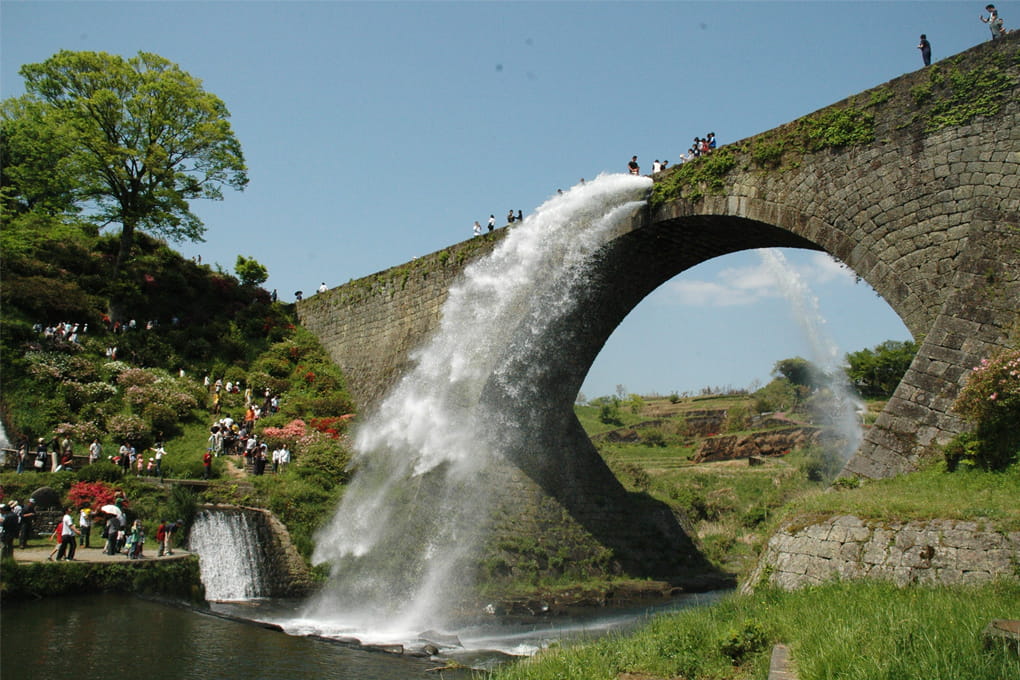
(633, 167)
(322, 287)
(925, 48)
(994, 21)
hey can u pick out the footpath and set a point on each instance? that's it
(93, 554)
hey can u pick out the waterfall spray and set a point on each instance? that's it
(824, 350)
(416, 509)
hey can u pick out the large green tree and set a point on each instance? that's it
(139, 139)
(876, 372)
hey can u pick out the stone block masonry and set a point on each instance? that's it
(847, 548)
(911, 185)
(930, 219)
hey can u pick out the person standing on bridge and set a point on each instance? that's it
(925, 48)
(633, 167)
(994, 21)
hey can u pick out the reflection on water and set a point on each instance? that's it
(115, 637)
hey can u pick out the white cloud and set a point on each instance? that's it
(754, 282)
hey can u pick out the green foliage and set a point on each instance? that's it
(876, 372)
(176, 579)
(738, 417)
(778, 395)
(694, 178)
(836, 128)
(930, 493)
(140, 138)
(743, 641)
(800, 372)
(955, 97)
(768, 153)
(100, 471)
(990, 400)
(609, 412)
(819, 464)
(250, 271)
(912, 633)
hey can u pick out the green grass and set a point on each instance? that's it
(927, 494)
(846, 631)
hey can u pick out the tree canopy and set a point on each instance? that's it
(250, 271)
(876, 372)
(114, 140)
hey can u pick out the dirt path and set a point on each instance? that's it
(93, 554)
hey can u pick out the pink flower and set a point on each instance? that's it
(995, 395)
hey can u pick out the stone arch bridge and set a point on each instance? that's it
(914, 185)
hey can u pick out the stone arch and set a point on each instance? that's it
(930, 218)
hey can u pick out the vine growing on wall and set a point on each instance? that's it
(954, 96)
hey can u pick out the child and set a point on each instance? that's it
(135, 540)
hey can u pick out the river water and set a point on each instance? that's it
(115, 637)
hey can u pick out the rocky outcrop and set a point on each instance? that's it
(920, 551)
(768, 443)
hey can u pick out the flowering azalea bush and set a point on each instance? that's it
(288, 435)
(990, 400)
(135, 377)
(334, 426)
(79, 432)
(92, 494)
(129, 429)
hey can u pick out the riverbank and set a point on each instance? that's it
(854, 630)
(32, 575)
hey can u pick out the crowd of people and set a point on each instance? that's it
(702, 146)
(511, 217)
(17, 524)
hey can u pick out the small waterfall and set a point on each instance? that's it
(825, 353)
(418, 504)
(231, 556)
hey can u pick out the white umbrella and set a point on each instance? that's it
(113, 510)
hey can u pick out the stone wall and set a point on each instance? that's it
(847, 547)
(930, 219)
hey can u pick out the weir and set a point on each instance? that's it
(245, 554)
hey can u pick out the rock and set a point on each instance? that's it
(1005, 632)
(46, 497)
(440, 639)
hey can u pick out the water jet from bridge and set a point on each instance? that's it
(845, 407)
(401, 542)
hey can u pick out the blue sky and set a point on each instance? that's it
(376, 132)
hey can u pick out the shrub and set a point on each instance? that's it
(990, 400)
(740, 643)
(81, 432)
(101, 471)
(132, 429)
(135, 377)
(92, 494)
